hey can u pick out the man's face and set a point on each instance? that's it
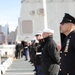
(65, 27)
(38, 37)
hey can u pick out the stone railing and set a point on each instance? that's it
(7, 50)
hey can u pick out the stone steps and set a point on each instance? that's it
(20, 67)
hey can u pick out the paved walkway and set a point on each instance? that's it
(20, 67)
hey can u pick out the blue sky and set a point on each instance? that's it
(9, 13)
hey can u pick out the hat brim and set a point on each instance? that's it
(65, 22)
(37, 34)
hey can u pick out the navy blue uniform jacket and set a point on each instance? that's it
(68, 55)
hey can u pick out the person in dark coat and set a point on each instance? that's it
(38, 52)
(26, 51)
(22, 52)
(18, 50)
(33, 51)
(68, 46)
(50, 54)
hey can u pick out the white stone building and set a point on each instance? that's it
(32, 17)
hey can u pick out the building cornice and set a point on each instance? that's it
(48, 1)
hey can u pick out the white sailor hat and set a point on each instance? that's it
(48, 31)
(18, 41)
(38, 33)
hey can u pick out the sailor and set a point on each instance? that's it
(50, 54)
(38, 52)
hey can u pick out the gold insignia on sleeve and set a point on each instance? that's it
(67, 45)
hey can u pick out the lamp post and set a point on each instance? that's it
(45, 14)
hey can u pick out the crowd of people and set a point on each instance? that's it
(44, 53)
